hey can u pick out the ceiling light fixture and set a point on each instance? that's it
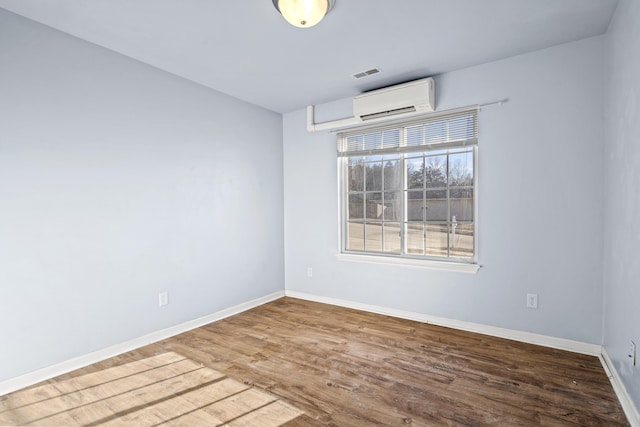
(303, 13)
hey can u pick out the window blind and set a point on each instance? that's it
(435, 131)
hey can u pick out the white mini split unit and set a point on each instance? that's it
(412, 98)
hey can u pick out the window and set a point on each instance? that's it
(408, 190)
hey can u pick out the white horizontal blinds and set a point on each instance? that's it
(435, 131)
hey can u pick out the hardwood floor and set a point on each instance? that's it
(343, 367)
(167, 389)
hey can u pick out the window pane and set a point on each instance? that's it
(392, 237)
(414, 237)
(461, 169)
(355, 142)
(355, 236)
(415, 135)
(461, 204)
(415, 169)
(374, 206)
(391, 210)
(461, 127)
(356, 174)
(356, 206)
(373, 140)
(436, 171)
(391, 138)
(373, 237)
(461, 192)
(461, 240)
(415, 205)
(374, 176)
(437, 239)
(392, 175)
(435, 132)
(437, 205)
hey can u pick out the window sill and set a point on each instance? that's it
(410, 262)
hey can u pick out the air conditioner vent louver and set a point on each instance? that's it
(414, 97)
(388, 113)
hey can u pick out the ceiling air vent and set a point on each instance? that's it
(366, 73)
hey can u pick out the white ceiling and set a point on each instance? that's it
(245, 48)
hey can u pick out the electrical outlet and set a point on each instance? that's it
(632, 353)
(532, 300)
(163, 299)
(309, 272)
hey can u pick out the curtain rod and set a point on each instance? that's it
(491, 104)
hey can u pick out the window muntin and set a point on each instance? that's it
(410, 190)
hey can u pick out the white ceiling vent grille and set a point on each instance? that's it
(366, 73)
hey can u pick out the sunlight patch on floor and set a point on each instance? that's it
(166, 389)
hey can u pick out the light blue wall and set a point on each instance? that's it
(622, 193)
(117, 182)
(540, 202)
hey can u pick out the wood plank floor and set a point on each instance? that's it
(343, 367)
(167, 389)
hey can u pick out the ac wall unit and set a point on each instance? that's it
(417, 96)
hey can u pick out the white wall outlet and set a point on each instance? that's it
(163, 299)
(632, 353)
(309, 272)
(532, 300)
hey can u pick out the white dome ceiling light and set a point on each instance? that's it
(303, 13)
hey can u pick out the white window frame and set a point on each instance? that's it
(450, 142)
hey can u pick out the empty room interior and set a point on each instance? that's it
(320, 212)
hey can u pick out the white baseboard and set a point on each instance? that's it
(528, 337)
(630, 410)
(34, 377)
